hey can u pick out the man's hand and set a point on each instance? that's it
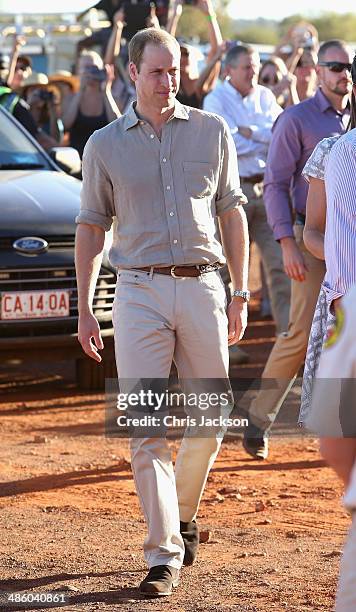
(246, 132)
(293, 260)
(89, 336)
(237, 317)
(119, 18)
(152, 21)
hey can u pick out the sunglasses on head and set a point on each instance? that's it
(336, 66)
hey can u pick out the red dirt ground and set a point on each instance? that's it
(70, 520)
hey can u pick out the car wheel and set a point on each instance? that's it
(91, 375)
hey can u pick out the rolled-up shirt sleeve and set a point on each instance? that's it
(229, 193)
(96, 198)
(283, 155)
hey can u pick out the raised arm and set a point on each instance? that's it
(210, 74)
(71, 111)
(215, 36)
(175, 13)
(18, 42)
(114, 42)
(112, 109)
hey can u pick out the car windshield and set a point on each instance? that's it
(16, 150)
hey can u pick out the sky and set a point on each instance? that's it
(242, 9)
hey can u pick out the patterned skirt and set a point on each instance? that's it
(322, 321)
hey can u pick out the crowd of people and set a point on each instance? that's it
(290, 122)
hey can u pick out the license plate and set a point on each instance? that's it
(34, 304)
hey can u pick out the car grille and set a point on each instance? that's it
(54, 242)
(31, 279)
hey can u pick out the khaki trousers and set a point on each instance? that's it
(260, 232)
(288, 353)
(346, 592)
(158, 319)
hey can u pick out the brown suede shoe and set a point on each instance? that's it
(159, 581)
(190, 534)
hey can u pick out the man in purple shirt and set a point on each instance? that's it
(295, 134)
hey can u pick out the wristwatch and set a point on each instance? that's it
(244, 294)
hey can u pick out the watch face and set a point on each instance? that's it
(244, 294)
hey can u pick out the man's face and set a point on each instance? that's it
(157, 81)
(244, 73)
(331, 82)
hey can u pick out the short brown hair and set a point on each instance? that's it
(328, 44)
(149, 36)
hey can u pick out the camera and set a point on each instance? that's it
(45, 95)
(95, 73)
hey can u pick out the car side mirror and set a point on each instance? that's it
(67, 159)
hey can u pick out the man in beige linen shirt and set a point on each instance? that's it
(162, 175)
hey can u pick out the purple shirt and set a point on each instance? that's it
(296, 132)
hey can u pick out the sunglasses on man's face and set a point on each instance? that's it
(336, 66)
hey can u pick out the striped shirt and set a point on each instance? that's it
(340, 230)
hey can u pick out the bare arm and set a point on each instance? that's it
(340, 454)
(112, 110)
(19, 41)
(234, 231)
(89, 244)
(175, 13)
(71, 111)
(315, 218)
(208, 77)
(114, 42)
(215, 36)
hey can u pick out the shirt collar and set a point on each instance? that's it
(131, 119)
(322, 101)
(233, 90)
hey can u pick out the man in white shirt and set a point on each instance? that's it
(250, 111)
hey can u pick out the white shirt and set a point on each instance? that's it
(333, 406)
(257, 111)
(340, 229)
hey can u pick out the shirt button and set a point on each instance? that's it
(171, 214)
(152, 135)
(164, 160)
(168, 187)
(175, 241)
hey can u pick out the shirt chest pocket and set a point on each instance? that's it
(199, 179)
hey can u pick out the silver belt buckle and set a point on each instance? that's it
(172, 272)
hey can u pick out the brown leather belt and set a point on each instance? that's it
(181, 271)
(255, 178)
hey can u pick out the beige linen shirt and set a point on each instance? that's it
(162, 196)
